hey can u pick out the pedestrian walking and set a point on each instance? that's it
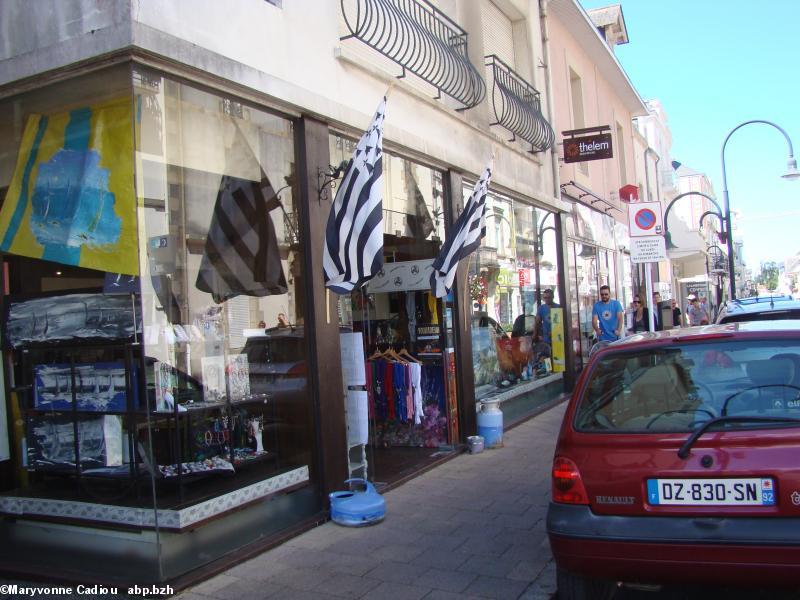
(641, 316)
(658, 321)
(676, 314)
(608, 318)
(696, 313)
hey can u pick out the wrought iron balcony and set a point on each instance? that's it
(517, 106)
(421, 39)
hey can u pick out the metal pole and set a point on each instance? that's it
(726, 198)
(648, 286)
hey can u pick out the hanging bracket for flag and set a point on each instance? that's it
(328, 178)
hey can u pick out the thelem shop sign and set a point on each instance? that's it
(587, 147)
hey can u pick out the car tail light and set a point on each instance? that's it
(567, 484)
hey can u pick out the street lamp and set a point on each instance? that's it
(723, 234)
(791, 173)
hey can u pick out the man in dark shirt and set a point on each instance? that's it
(657, 312)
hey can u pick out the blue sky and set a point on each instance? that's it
(715, 64)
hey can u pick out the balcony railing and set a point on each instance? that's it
(517, 106)
(422, 40)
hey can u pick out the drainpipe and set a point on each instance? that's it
(647, 174)
(549, 90)
(569, 356)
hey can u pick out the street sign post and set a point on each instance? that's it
(646, 226)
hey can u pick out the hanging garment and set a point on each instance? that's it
(388, 379)
(409, 393)
(399, 378)
(378, 373)
(416, 383)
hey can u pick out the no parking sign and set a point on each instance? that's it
(645, 219)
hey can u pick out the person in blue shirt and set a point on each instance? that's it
(608, 317)
(544, 324)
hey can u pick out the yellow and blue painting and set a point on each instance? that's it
(71, 199)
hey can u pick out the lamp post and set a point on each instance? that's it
(723, 235)
(791, 173)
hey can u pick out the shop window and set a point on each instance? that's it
(155, 291)
(513, 279)
(222, 285)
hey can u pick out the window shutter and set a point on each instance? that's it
(498, 37)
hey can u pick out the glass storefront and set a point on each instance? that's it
(401, 395)
(517, 323)
(154, 334)
(592, 264)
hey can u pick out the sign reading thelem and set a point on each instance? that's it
(589, 147)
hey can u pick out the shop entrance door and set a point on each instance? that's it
(408, 402)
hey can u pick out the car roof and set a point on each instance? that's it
(744, 328)
(758, 305)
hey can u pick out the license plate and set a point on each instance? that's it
(712, 492)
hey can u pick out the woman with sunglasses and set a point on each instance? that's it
(641, 316)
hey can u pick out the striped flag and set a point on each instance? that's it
(354, 235)
(468, 230)
(241, 253)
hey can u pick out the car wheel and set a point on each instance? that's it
(576, 587)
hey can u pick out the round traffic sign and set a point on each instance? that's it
(645, 219)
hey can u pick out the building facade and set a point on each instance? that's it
(180, 388)
(593, 95)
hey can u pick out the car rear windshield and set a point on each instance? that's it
(676, 388)
(772, 315)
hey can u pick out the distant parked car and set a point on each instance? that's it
(677, 462)
(277, 361)
(759, 308)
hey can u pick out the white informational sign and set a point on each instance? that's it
(645, 219)
(353, 371)
(648, 249)
(357, 417)
(402, 276)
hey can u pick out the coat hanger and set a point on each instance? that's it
(376, 355)
(390, 354)
(406, 354)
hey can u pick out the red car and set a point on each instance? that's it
(678, 461)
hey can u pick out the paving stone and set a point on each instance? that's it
(487, 565)
(210, 586)
(351, 564)
(398, 552)
(445, 579)
(495, 587)
(395, 572)
(304, 558)
(435, 558)
(301, 579)
(443, 595)
(347, 586)
(246, 590)
(398, 591)
(483, 546)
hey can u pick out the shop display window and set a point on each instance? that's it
(513, 277)
(153, 330)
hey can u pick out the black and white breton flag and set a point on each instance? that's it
(241, 253)
(354, 236)
(466, 235)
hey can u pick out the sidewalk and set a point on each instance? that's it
(470, 528)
